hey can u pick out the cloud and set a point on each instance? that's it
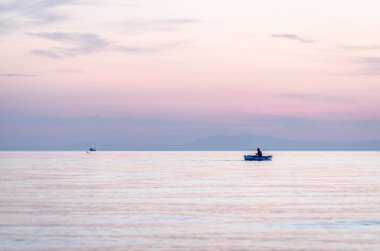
(45, 53)
(312, 97)
(19, 13)
(17, 75)
(170, 24)
(292, 37)
(371, 65)
(81, 43)
(6, 25)
(86, 43)
(360, 48)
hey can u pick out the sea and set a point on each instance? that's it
(309, 200)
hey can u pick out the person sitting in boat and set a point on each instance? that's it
(259, 153)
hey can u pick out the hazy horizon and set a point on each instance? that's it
(127, 133)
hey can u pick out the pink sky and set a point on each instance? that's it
(191, 60)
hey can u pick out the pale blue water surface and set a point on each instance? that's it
(189, 201)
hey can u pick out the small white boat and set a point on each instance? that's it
(257, 158)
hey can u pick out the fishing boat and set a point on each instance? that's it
(92, 149)
(257, 158)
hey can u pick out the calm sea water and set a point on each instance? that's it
(189, 201)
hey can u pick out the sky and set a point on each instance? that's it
(300, 69)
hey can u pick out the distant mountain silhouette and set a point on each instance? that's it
(250, 142)
(128, 133)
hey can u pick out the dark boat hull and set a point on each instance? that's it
(257, 158)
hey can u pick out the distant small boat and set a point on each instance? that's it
(257, 158)
(92, 149)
